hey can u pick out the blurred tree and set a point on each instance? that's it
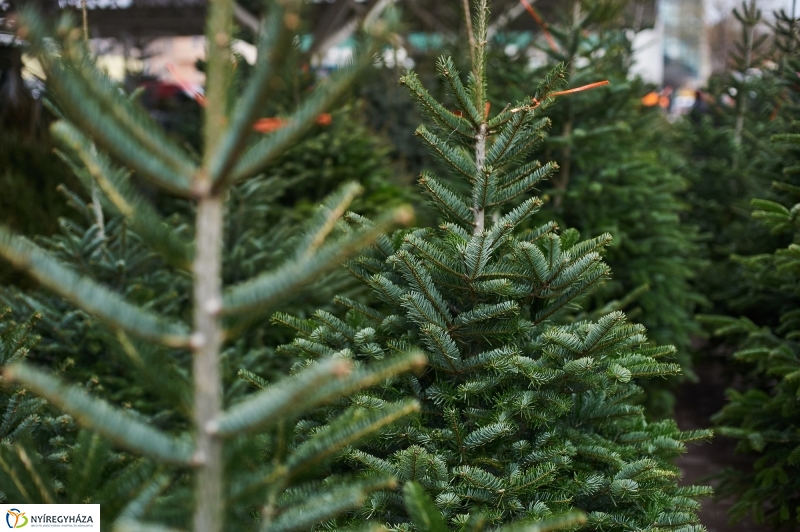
(730, 160)
(616, 175)
(154, 291)
(762, 409)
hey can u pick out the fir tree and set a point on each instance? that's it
(212, 455)
(762, 410)
(617, 175)
(730, 159)
(522, 416)
(19, 410)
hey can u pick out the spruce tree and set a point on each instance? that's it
(523, 415)
(762, 408)
(211, 456)
(618, 175)
(730, 160)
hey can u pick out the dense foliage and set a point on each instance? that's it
(139, 370)
(763, 415)
(762, 409)
(169, 434)
(616, 176)
(516, 404)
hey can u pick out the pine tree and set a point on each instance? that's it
(729, 144)
(617, 175)
(222, 459)
(522, 416)
(19, 410)
(762, 410)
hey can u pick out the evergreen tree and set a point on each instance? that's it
(522, 415)
(214, 456)
(616, 175)
(730, 159)
(19, 410)
(762, 415)
(762, 410)
(263, 214)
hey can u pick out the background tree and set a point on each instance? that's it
(730, 160)
(762, 407)
(616, 175)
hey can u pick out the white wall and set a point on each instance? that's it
(648, 54)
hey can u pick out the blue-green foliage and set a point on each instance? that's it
(116, 309)
(522, 416)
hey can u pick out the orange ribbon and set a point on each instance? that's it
(529, 8)
(537, 103)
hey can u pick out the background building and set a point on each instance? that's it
(687, 59)
(675, 52)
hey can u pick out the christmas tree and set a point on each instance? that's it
(762, 409)
(192, 447)
(616, 175)
(729, 160)
(523, 416)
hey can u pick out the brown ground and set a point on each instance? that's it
(696, 403)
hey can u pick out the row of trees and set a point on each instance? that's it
(472, 373)
(754, 287)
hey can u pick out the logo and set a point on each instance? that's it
(15, 518)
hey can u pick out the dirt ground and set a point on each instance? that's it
(696, 403)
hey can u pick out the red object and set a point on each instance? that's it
(268, 125)
(324, 119)
(262, 125)
(650, 99)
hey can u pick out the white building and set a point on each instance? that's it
(675, 52)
